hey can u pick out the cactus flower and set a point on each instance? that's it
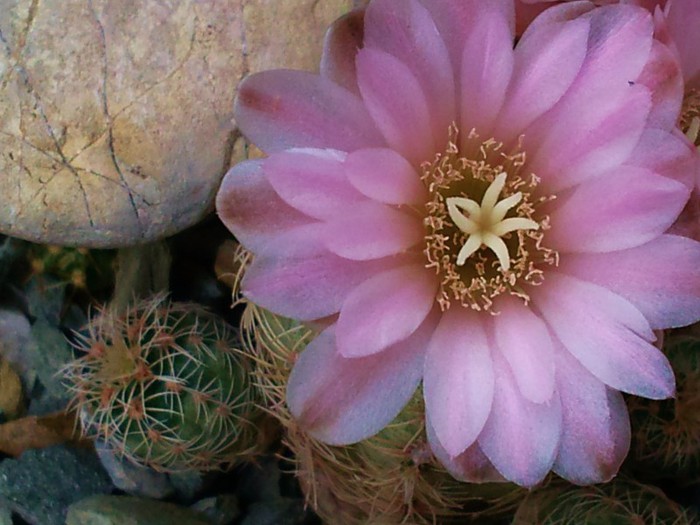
(485, 218)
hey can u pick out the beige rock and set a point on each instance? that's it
(116, 117)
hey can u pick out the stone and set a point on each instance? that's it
(220, 510)
(129, 510)
(41, 484)
(282, 511)
(137, 151)
(133, 479)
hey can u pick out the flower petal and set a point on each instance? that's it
(260, 220)
(683, 20)
(471, 466)
(458, 380)
(596, 429)
(524, 341)
(385, 310)
(310, 287)
(616, 210)
(520, 438)
(660, 278)
(372, 230)
(618, 351)
(282, 109)
(406, 30)
(340, 46)
(341, 400)
(313, 181)
(384, 175)
(396, 102)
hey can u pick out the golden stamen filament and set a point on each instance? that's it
(486, 224)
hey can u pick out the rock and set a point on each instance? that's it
(128, 510)
(188, 484)
(137, 150)
(42, 483)
(220, 510)
(5, 516)
(14, 337)
(260, 480)
(283, 511)
(131, 478)
(11, 396)
(48, 352)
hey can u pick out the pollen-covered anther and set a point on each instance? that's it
(486, 223)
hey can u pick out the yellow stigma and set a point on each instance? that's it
(486, 223)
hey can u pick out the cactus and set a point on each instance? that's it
(666, 434)
(389, 478)
(80, 267)
(164, 385)
(620, 502)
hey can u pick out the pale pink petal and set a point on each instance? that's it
(663, 78)
(342, 42)
(312, 181)
(260, 220)
(406, 30)
(524, 341)
(561, 143)
(661, 278)
(396, 102)
(309, 287)
(471, 466)
(683, 22)
(385, 310)
(342, 400)
(282, 109)
(458, 19)
(616, 210)
(372, 230)
(595, 429)
(520, 437)
(458, 380)
(607, 335)
(384, 175)
(548, 55)
(668, 153)
(486, 69)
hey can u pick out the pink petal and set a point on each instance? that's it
(520, 438)
(660, 278)
(456, 20)
(547, 60)
(458, 380)
(312, 181)
(662, 77)
(524, 341)
(683, 22)
(282, 109)
(616, 210)
(260, 220)
(617, 351)
(406, 30)
(397, 104)
(471, 466)
(486, 69)
(385, 310)
(372, 230)
(384, 175)
(596, 429)
(309, 287)
(340, 46)
(342, 401)
(573, 144)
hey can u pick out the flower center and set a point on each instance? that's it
(690, 116)
(485, 223)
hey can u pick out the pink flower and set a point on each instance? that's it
(488, 220)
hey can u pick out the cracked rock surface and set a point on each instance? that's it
(116, 117)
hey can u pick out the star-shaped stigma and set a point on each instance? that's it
(486, 222)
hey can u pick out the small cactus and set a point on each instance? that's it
(80, 267)
(666, 434)
(387, 479)
(164, 385)
(620, 502)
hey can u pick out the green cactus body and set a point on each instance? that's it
(387, 479)
(164, 385)
(620, 502)
(80, 267)
(666, 434)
